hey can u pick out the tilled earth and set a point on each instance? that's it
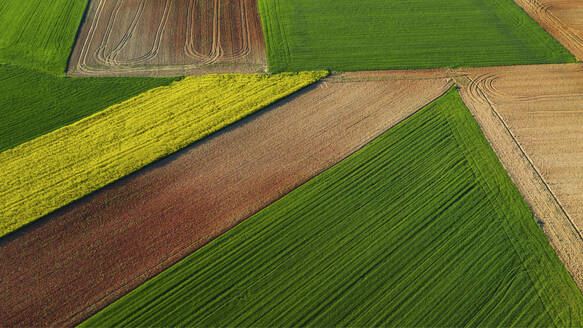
(169, 37)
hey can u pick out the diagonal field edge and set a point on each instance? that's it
(368, 127)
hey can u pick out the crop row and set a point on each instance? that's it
(422, 227)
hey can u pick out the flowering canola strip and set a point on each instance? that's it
(53, 170)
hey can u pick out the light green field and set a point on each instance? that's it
(422, 227)
(39, 33)
(348, 35)
(57, 168)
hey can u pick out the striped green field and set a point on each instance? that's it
(39, 34)
(422, 227)
(348, 35)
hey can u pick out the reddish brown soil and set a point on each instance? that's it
(533, 117)
(69, 265)
(563, 19)
(169, 37)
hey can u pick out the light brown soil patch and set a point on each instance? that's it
(563, 19)
(533, 117)
(169, 37)
(69, 265)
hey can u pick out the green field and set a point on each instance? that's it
(347, 35)
(33, 103)
(422, 227)
(39, 34)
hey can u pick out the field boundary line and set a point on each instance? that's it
(532, 186)
(540, 12)
(77, 36)
(529, 161)
(176, 256)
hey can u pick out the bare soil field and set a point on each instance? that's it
(533, 116)
(81, 258)
(169, 37)
(563, 19)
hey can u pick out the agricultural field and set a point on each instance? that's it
(259, 163)
(561, 18)
(35, 43)
(172, 37)
(542, 108)
(137, 227)
(395, 235)
(307, 34)
(39, 34)
(57, 168)
(33, 103)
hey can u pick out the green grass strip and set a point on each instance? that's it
(57, 168)
(422, 227)
(348, 35)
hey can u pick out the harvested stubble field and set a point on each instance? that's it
(422, 227)
(39, 34)
(83, 257)
(170, 37)
(57, 168)
(307, 34)
(542, 108)
(563, 19)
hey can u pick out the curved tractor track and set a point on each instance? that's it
(560, 18)
(169, 37)
(532, 116)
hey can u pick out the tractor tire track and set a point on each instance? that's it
(497, 107)
(97, 53)
(558, 25)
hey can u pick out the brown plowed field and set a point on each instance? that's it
(169, 37)
(563, 19)
(73, 263)
(533, 117)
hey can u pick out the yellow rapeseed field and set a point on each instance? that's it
(53, 170)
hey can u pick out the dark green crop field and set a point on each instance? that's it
(39, 33)
(348, 35)
(33, 103)
(422, 227)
